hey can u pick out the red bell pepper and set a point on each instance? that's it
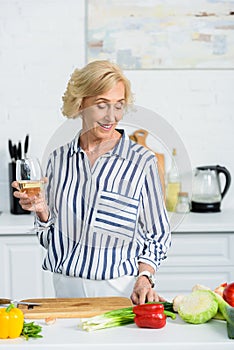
(149, 315)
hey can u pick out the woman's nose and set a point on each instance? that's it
(111, 115)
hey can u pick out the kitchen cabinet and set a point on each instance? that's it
(21, 259)
(201, 252)
(203, 258)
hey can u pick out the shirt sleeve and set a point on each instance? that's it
(154, 222)
(45, 229)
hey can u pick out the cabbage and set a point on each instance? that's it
(198, 307)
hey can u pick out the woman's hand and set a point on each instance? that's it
(36, 203)
(143, 292)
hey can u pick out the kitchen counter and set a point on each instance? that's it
(16, 224)
(176, 335)
(208, 222)
(191, 222)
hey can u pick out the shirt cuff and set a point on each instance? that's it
(46, 224)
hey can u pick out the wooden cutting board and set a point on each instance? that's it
(72, 307)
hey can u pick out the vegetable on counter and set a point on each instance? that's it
(119, 317)
(109, 319)
(177, 301)
(149, 316)
(225, 309)
(228, 313)
(198, 307)
(31, 330)
(228, 293)
(219, 290)
(11, 322)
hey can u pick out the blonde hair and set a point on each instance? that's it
(95, 78)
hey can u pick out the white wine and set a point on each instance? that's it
(32, 188)
(173, 184)
(173, 188)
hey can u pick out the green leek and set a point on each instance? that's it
(119, 317)
(109, 319)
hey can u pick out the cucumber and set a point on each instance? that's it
(198, 307)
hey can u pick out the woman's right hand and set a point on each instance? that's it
(36, 203)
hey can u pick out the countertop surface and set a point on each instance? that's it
(191, 222)
(64, 334)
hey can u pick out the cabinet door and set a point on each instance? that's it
(196, 258)
(180, 280)
(22, 274)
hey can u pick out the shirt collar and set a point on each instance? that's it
(121, 149)
(74, 145)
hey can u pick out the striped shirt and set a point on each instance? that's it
(107, 218)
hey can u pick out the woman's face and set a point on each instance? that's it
(102, 113)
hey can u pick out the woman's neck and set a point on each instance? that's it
(95, 147)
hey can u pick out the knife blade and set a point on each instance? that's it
(6, 301)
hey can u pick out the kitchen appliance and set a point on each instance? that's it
(207, 193)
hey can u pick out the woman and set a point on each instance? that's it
(105, 227)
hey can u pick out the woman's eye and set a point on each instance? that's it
(101, 105)
(119, 106)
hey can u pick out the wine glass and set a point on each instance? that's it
(29, 176)
(30, 179)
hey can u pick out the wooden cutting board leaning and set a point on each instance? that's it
(72, 307)
(140, 136)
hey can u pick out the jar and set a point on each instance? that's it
(183, 205)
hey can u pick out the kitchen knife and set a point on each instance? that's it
(11, 151)
(19, 151)
(5, 301)
(15, 155)
(26, 141)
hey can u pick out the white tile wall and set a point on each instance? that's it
(43, 41)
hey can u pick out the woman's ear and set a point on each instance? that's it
(81, 106)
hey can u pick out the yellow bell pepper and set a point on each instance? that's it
(11, 322)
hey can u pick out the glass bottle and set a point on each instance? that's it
(183, 205)
(173, 184)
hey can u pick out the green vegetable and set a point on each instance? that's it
(31, 330)
(198, 307)
(228, 313)
(168, 306)
(170, 314)
(118, 317)
(109, 319)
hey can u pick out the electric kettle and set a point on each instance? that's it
(207, 193)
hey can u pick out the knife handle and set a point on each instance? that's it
(10, 147)
(26, 142)
(15, 154)
(19, 151)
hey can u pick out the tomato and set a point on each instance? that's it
(228, 294)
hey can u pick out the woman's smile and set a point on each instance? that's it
(105, 126)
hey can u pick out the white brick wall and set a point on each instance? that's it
(41, 42)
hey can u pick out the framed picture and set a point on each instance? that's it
(154, 34)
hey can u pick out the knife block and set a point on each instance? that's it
(15, 207)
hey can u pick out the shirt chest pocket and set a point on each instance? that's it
(116, 214)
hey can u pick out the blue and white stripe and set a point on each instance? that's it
(104, 219)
